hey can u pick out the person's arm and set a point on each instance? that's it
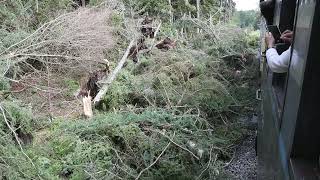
(278, 63)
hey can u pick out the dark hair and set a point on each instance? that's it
(267, 10)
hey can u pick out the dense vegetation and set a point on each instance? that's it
(173, 115)
(247, 19)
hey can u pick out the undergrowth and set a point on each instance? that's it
(178, 109)
(115, 145)
(183, 97)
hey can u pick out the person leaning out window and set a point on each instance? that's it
(278, 63)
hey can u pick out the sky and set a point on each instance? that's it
(243, 5)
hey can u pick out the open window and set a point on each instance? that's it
(284, 17)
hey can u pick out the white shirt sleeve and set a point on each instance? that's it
(278, 63)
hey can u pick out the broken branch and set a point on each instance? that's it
(87, 106)
(113, 75)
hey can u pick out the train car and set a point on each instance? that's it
(289, 129)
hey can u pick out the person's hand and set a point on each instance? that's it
(287, 36)
(270, 41)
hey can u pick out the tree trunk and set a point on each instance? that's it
(170, 11)
(198, 13)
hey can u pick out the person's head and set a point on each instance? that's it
(267, 10)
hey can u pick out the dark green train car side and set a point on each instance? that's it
(289, 130)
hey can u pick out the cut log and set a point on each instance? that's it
(107, 83)
(87, 106)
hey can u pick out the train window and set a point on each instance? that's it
(279, 81)
(285, 15)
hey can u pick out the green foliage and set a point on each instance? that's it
(247, 19)
(119, 92)
(15, 15)
(13, 163)
(188, 94)
(18, 116)
(168, 30)
(4, 85)
(50, 8)
(179, 8)
(185, 78)
(116, 19)
(210, 7)
(253, 38)
(235, 42)
(152, 7)
(122, 144)
(8, 38)
(96, 2)
(72, 86)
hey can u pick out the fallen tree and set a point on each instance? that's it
(107, 83)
